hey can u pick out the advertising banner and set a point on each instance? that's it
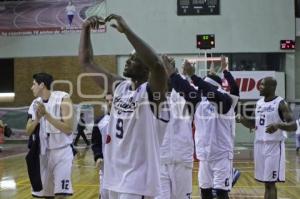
(38, 17)
(248, 82)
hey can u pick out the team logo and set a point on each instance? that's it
(126, 105)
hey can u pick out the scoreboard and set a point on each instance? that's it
(287, 44)
(205, 41)
(198, 7)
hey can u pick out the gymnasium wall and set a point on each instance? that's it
(62, 68)
(242, 26)
(297, 67)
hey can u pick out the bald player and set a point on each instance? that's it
(136, 127)
(271, 118)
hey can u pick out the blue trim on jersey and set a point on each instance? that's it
(35, 196)
(268, 181)
(204, 89)
(63, 194)
(234, 88)
(280, 153)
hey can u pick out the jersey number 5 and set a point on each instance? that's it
(119, 127)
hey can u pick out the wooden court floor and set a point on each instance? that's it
(14, 183)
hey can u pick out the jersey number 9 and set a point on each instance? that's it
(119, 127)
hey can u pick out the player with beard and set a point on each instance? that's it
(271, 118)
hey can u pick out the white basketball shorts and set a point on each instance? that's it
(216, 174)
(56, 168)
(117, 195)
(176, 181)
(269, 161)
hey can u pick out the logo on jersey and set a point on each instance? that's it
(266, 109)
(209, 110)
(123, 104)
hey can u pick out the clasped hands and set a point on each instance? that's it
(95, 21)
(40, 109)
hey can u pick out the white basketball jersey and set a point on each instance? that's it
(103, 128)
(132, 156)
(268, 113)
(178, 143)
(298, 126)
(51, 137)
(214, 136)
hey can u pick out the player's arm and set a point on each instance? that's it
(31, 125)
(223, 100)
(158, 77)
(288, 124)
(234, 89)
(247, 122)
(86, 56)
(96, 143)
(180, 85)
(32, 121)
(65, 122)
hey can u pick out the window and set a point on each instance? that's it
(6, 75)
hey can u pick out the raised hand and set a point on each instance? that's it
(93, 22)
(212, 70)
(188, 68)
(224, 64)
(120, 24)
(169, 64)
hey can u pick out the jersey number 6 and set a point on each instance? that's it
(262, 120)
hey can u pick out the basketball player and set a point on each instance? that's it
(136, 127)
(176, 152)
(53, 112)
(271, 118)
(234, 90)
(214, 137)
(99, 135)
